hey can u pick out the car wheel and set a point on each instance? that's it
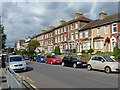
(63, 64)
(74, 65)
(107, 70)
(89, 67)
(51, 62)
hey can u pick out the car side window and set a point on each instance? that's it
(99, 58)
(94, 58)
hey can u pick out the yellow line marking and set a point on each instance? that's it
(34, 87)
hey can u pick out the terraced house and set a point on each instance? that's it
(81, 33)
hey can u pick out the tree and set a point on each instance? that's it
(3, 36)
(10, 50)
(57, 50)
(32, 46)
(90, 50)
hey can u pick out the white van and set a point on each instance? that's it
(16, 63)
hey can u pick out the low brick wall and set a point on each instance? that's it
(85, 59)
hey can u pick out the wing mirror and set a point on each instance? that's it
(102, 60)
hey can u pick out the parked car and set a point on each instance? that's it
(33, 57)
(16, 63)
(73, 61)
(40, 58)
(25, 57)
(53, 59)
(103, 63)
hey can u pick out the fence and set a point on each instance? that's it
(13, 80)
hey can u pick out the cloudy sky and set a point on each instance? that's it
(26, 18)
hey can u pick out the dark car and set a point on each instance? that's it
(25, 57)
(40, 58)
(33, 57)
(73, 61)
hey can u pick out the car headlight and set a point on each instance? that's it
(11, 65)
(78, 62)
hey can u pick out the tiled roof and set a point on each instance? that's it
(80, 18)
(98, 22)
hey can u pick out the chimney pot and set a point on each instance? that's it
(102, 15)
(62, 21)
(78, 14)
(51, 26)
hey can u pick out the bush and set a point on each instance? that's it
(83, 51)
(90, 51)
(116, 51)
(57, 50)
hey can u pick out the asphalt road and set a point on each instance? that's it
(55, 76)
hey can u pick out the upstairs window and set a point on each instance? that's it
(76, 35)
(86, 34)
(64, 29)
(65, 38)
(98, 31)
(71, 26)
(58, 39)
(61, 30)
(62, 39)
(106, 29)
(114, 28)
(76, 25)
(72, 36)
(58, 31)
(81, 34)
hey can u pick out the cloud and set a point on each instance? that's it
(22, 19)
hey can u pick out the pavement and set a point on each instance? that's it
(3, 80)
(42, 75)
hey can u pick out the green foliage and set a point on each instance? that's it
(57, 50)
(10, 50)
(90, 50)
(118, 56)
(83, 51)
(116, 51)
(32, 46)
(3, 35)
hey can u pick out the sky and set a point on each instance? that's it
(23, 19)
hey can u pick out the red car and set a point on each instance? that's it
(53, 59)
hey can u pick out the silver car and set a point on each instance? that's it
(16, 63)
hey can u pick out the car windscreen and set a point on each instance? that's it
(14, 59)
(76, 58)
(108, 59)
(54, 57)
(26, 56)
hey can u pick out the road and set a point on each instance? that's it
(44, 75)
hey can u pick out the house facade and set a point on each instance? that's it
(81, 33)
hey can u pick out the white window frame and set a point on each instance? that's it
(55, 32)
(65, 38)
(96, 44)
(58, 39)
(65, 29)
(61, 30)
(98, 31)
(86, 34)
(61, 38)
(76, 25)
(113, 28)
(58, 31)
(72, 38)
(81, 34)
(72, 26)
(101, 44)
(106, 29)
(88, 45)
(84, 46)
(76, 35)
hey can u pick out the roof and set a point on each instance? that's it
(80, 18)
(98, 22)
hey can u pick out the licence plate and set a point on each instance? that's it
(84, 64)
(58, 61)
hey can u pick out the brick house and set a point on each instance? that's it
(104, 32)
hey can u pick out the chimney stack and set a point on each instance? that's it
(78, 14)
(43, 30)
(51, 26)
(62, 21)
(102, 15)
